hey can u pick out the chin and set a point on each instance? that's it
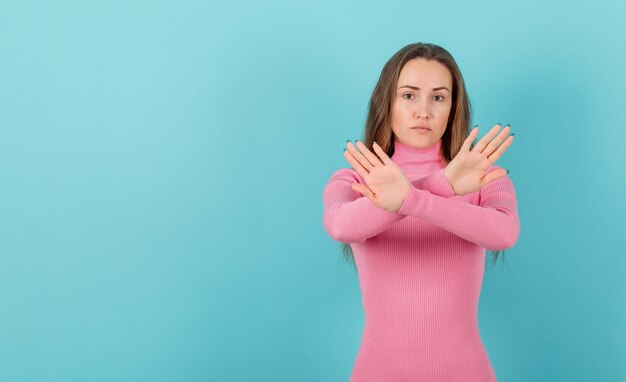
(420, 142)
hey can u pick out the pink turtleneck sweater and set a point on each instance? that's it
(421, 269)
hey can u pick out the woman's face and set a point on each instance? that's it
(423, 98)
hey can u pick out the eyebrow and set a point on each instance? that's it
(416, 88)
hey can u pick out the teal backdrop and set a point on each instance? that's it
(162, 166)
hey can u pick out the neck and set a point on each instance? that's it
(416, 161)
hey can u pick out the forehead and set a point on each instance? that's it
(426, 74)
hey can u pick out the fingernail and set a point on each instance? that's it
(508, 124)
(507, 171)
(375, 143)
(344, 150)
(513, 134)
(347, 141)
(357, 141)
(499, 124)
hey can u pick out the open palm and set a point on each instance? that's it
(386, 185)
(467, 171)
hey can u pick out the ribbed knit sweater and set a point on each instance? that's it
(421, 269)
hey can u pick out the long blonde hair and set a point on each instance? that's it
(378, 124)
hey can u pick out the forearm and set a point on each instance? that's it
(435, 183)
(358, 220)
(352, 218)
(493, 225)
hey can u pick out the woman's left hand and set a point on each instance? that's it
(387, 186)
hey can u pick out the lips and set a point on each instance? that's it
(420, 127)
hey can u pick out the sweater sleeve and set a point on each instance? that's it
(493, 223)
(350, 217)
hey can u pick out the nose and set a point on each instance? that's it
(422, 110)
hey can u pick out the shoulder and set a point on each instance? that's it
(347, 175)
(339, 185)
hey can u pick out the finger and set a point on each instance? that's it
(372, 158)
(480, 146)
(363, 190)
(364, 162)
(501, 149)
(493, 175)
(470, 138)
(382, 154)
(362, 171)
(493, 145)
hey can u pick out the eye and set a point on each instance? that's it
(407, 94)
(442, 97)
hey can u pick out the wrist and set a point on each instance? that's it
(405, 193)
(450, 179)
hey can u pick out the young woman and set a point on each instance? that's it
(417, 211)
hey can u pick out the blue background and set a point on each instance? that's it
(162, 166)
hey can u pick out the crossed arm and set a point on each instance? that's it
(493, 223)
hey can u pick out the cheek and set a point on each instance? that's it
(399, 113)
(405, 112)
(444, 111)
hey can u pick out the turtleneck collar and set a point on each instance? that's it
(417, 161)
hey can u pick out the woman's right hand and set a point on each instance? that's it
(466, 172)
